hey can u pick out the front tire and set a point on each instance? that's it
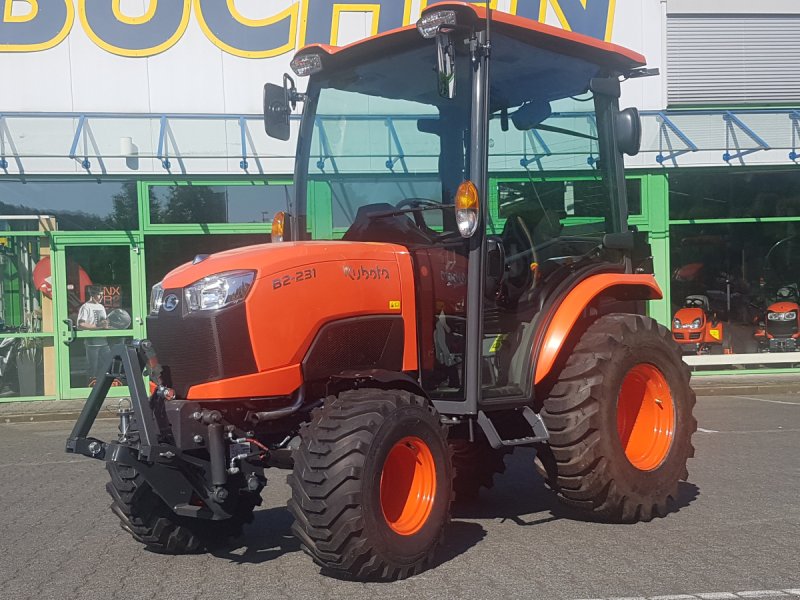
(620, 421)
(371, 486)
(144, 515)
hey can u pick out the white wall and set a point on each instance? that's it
(196, 76)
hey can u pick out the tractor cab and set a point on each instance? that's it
(398, 137)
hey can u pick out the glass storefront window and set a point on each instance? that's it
(734, 288)
(27, 356)
(565, 199)
(103, 277)
(88, 357)
(27, 366)
(25, 284)
(700, 194)
(70, 205)
(174, 204)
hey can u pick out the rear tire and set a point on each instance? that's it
(620, 421)
(372, 484)
(474, 466)
(144, 515)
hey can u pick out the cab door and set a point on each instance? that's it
(100, 301)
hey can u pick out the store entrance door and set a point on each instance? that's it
(99, 300)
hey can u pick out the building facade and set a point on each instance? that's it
(131, 140)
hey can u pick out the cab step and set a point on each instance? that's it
(538, 429)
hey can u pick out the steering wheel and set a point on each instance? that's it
(520, 253)
(419, 219)
(417, 202)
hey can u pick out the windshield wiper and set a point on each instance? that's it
(402, 211)
(555, 129)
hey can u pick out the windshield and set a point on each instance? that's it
(552, 192)
(379, 138)
(383, 138)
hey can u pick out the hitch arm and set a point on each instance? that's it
(127, 360)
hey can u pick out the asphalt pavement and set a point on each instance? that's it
(736, 534)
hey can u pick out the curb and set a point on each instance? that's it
(744, 390)
(700, 390)
(46, 417)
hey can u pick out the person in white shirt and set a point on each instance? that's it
(92, 315)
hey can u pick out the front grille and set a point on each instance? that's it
(679, 336)
(782, 328)
(695, 336)
(203, 346)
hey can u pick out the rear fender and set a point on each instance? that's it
(577, 300)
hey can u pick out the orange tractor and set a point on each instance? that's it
(394, 341)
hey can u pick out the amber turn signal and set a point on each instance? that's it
(278, 223)
(466, 203)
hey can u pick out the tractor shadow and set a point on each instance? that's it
(268, 537)
(521, 496)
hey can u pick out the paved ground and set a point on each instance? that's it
(736, 535)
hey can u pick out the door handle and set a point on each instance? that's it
(70, 335)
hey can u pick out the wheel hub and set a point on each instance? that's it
(408, 486)
(645, 417)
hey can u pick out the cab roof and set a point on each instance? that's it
(527, 31)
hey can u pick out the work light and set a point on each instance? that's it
(428, 26)
(306, 64)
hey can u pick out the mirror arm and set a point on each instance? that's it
(292, 95)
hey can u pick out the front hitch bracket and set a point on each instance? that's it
(175, 476)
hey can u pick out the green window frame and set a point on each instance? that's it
(148, 226)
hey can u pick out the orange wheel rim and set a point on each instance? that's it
(408, 486)
(645, 417)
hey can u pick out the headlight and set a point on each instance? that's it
(676, 324)
(695, 324)
(782, 316)
(156, 298)
(219, 291)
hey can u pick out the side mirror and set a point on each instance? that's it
(446, 65)
(276, 112)
(278, 104)
(628, 125)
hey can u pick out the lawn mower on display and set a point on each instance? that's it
(696, 329)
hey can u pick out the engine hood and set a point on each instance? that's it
(688, 314)
(268, 259)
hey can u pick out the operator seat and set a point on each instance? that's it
(394, 229)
